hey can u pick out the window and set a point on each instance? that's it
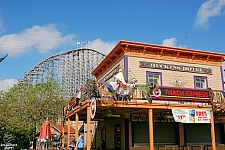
(153, 78)
(200, 82)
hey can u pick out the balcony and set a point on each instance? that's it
(145, 93)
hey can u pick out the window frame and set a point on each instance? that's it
(154, 73)
(201, 77)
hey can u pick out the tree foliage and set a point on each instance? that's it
(26, 106)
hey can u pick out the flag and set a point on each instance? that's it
(88, 42)
(78, 42)
(111, 86)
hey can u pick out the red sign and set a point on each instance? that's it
(187, 93)
(182, 93)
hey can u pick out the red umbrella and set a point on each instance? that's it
(45, 132)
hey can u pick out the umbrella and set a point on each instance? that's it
(45, 132)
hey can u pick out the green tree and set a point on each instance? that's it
(26, 106)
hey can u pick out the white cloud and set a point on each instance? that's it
(6, 84)
(102, 47)
(42, 38)
(170, 42)
(209, 9)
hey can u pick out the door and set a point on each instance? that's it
(103, 134)
(117, 137)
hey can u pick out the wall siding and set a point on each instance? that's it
(109, 124)
(214, 80)
(120, 62)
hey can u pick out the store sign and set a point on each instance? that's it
(182, 93)
(191, 115)
(111, 73)
(172, 67)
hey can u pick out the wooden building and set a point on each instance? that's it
(175, 86)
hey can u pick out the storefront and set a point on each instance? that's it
(166, 79)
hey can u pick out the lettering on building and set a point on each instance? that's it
(172, 67)
(183, 94)
(111, 73)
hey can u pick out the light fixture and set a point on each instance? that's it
(167, 103)
(200, 105)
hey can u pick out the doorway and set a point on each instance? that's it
(103, 134)
(117, 137)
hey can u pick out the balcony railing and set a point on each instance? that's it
(133, 93)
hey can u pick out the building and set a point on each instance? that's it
(178, 101)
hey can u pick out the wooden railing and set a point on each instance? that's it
(217, 97)
(132, 94)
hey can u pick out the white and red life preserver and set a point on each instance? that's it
(93, 107)
(156, 92)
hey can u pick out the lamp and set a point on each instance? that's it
(200, 105)
(167, 103)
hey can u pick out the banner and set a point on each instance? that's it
(191, 115)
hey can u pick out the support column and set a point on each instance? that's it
(213, 131)
(181, 134)
(150, 125)
(68, 134)
(76, 129)
(88, 128)
(63, 137)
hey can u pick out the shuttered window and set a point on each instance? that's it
(200, 133)
(164, 133)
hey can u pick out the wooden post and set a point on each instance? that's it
(150, 125)
(68, 134)
(88, 143)
(181, 134)
(63, 135)
(213, 131)
(76, 129)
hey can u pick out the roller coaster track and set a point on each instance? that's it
(70, 69)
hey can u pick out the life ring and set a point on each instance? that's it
(93, 107)
(156, 92)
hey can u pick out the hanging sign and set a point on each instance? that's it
(93, 107)
(191, 115)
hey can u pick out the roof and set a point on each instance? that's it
(59, 128)
(129, 48)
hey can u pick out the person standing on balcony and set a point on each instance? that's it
(120, 78)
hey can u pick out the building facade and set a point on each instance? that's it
(168, 80)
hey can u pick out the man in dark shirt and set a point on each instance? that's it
(103, 145)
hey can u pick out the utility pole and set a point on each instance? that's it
(1, 59)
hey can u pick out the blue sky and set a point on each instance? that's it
(31, 31)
